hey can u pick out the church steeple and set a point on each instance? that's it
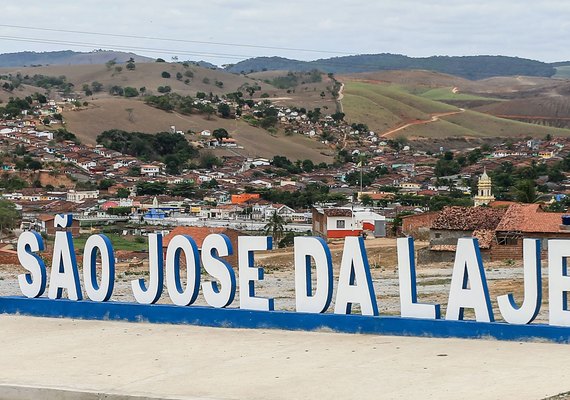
(484, 192)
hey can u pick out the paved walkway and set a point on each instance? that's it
(185, 362)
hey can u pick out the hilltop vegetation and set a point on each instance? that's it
(469, 67)
(171, 148)
(66, 57)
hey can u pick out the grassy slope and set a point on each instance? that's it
(111, 113)
(562, 72)
(441, 94)
(383, 106)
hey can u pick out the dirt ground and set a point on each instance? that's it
(433, 279)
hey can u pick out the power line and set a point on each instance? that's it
(175, 40)
(129, 48)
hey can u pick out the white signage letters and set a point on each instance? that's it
(248, 273)
(355, 282)
(307, 249)
(32, 284)
(151, 294)
(408, 290)
(220, 294)
(314, 278)
(558, 282)
(95, 291)
(64, 273)
(468, 284)
(528, 311)
(178, 245)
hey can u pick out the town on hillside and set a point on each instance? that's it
(130, 184)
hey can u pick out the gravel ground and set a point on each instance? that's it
(433, 284)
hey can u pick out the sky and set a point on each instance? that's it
(233, 30)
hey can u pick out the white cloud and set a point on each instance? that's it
(413, 27)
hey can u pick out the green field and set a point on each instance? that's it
(120, 242)
(446, 94)
(562, 72)
(385, 106)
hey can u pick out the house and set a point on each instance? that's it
(418, 225)
(523, 221)
(243, 197)
(335, 223)
(150, 170)
(199, 233)
(45, 223)
(456, 222)
(81, 196)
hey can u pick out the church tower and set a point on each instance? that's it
(484, 195)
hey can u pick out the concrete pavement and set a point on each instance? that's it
(115, 360)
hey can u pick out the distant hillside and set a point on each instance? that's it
(469, 67)
(66, 57)
(399, 110)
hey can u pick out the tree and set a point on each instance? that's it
(110, 64)
(8, 215)
(151, 188)
(338, 116)
(123, 193)
(185, 189)
(366, 200)
(131, 64)
(526, 191)
(208, 110)
(224, 110)
(116, 90)
(96, 86)
(275, 227)
(130, 92)
(165, 74)
(220, 134)
(105, 184)
(34, 165)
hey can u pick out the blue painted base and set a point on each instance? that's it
(236, 318)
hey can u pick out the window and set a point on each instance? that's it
(507, 241)
(340, 224)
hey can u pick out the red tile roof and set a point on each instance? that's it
(529, 218)
(468, 218)
(338, 212)
(198, 233)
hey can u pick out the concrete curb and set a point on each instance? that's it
(17, 392)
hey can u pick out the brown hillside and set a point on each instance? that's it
(410, 78)
(112, 113)
(145, 74)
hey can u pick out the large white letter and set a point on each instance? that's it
(532, 288)
(558, 282)
(409, 305)
(151, 294)
(468, 284)
(64, 273)
(248, 274)
(95, 291)
(355, 282)
(32, 284)
(307, 248)
(220, 294)
(179, 295)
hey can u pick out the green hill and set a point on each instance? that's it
(470, 67)
(384, 107)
